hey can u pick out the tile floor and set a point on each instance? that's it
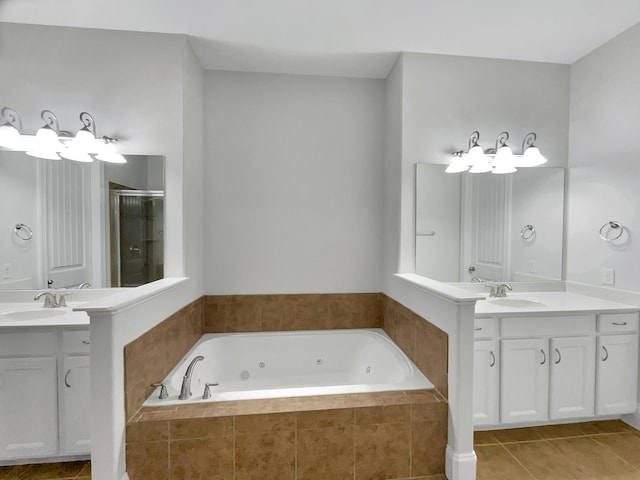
(48, 471)
(606, 450)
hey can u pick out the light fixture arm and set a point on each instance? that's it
(528, 140)
(50, 120)
(88, 122)
(473, 139)
(12, 118)
(501, 140)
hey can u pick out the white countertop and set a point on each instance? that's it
(32, 314)
(548, 303)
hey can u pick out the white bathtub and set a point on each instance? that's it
(292, 364)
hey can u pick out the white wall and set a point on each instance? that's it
(293, 175)
(604, 167)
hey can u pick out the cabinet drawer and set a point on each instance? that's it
(486, 327)
(569, 325)
(75, 341)
(28, 343)
(617, 322)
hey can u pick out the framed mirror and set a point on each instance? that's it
(61, 228)
(485, 227)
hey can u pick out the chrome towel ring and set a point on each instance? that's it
(608, 227)
(527, 232)
(23, 232)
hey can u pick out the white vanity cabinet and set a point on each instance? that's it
(616, 371)
(40, 417)
(555, 367)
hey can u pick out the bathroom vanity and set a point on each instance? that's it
(542, 357)
(44, 383)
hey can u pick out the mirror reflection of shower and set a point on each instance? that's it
(137, 236)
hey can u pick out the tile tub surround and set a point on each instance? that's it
(424, 343)
(261, 313)
(150, 357)
(390, 435)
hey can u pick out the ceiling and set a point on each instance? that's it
(349, 37)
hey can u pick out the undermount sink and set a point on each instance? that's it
(516, 302)
(26, 315)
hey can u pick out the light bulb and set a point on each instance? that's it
(532, 158)
(8, 135)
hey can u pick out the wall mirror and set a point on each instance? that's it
(68, 224)
(472, 227)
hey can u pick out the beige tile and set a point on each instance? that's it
(325, 418)
(147, 431)
(273, 422)
(86, 470)
(428, 444)
(325, 453)
(202, 459)
(430, 411)
(516, 435)
(559, 431)
(242, 314)
(267, 456)
(201, 427)
(495, 463)
(382, 451)
(14, 472)
(277, 313)
(604, 426)
(312, 312)
(485, 438)
(544, 461)
(588, 455)
(54, 470)
(385, 414)
(624, 445)
(148, 460)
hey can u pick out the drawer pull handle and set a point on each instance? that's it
(66, 379)
(86, 342)
(620, 324)
(559, 356)
(606, 353)
(477, 329)
(544, 357)
(493, 358)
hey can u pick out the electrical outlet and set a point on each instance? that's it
(608, 276)
(533, 266)
(5, 270)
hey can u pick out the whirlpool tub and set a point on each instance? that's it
(291, 364)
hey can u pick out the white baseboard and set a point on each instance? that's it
(632, 419)
(460, 466)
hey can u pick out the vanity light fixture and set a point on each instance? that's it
(498, 160)
(51, 143)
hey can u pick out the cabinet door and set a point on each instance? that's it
(617, 374)
(486, 382)
(28, 407)
(572, 386)
(524, 380)
(75, 405)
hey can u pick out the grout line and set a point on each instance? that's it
(519, 462)
(611, 450)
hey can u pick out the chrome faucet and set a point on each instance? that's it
(51, 300)
(500, 290)
(84, 285)
(185, 390)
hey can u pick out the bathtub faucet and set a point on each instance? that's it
(185, 391)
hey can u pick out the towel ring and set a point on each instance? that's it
(22, 231)
(612, 226)
(527, 232)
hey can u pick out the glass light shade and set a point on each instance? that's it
(458, 164)
(476, 155)
(504, 168)
(76, 155)
(47, 140)
(111, 157)
(84, 139)
(532, 158)
(504, 153)
(46, 154)
(8, 135)
(481, 167)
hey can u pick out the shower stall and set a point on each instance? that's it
(137, 243)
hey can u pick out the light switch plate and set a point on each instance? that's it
(608, 276)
